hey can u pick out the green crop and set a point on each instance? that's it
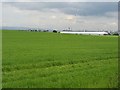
(54, 60)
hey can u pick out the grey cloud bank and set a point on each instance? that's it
(79, 8)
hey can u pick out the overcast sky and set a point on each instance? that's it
(61, 15)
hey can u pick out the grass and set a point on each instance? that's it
(0, 59)
(54, 60)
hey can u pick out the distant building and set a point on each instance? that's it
(86, 33)
(69, 29)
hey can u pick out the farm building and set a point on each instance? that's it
(87, 33)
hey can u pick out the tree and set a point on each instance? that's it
(116, 33)
(54, 31)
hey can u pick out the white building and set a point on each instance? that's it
(87, 33)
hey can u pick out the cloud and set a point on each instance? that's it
(69, 18)
(53, 17)
(0, 15)
(60, 0)
(78, 16)
(77, 8)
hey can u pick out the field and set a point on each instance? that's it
(0, 59)
(54, 60)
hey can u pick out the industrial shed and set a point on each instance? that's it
(86, 33)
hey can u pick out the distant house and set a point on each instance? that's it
(45, 30)
(67, 30)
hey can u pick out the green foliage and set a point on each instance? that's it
(54, 60)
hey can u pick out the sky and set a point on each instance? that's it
(61, 15)
(59, 0)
